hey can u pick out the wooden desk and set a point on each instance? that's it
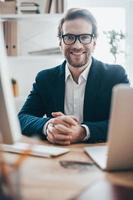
(46, 179)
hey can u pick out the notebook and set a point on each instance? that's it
(117, 154)
(36, 150)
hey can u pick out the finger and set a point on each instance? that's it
(71, 120)
(75, 118)
(52, 129)
(48, 123)
(65, 119)
(61, 137)
(59, 132)
(48, 132)
(56, 114)
(63, 129)
(58, 120)
(50, 137)
(63, 142)
(59, 129)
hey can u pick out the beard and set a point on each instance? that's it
(76, 64)
(77, 61)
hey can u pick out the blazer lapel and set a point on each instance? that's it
(60, 88)
(91, 91)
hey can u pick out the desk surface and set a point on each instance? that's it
(46, 179)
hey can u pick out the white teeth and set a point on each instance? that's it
(76, 53)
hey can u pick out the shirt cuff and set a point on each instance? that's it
(87, 132)
(45, 128)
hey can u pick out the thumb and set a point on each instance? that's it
(57, 114)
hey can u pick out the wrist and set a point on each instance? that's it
(87, 136)
(82, 133)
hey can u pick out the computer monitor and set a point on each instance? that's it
(9, 125)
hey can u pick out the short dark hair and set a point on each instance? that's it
(75, 13)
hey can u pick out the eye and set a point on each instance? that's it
(69, 37)
(85, 37)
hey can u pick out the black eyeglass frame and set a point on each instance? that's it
(77, 37)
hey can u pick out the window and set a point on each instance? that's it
(114, 14)
(109, 18)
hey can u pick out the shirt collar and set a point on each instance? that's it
(83, 75)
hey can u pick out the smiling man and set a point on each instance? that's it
(70, 103)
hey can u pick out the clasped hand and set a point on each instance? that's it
(64, 129)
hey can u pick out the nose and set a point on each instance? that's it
(77, 44)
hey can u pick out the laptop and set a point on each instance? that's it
(10, 132)
(117, 154)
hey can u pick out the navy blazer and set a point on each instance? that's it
(47, 96)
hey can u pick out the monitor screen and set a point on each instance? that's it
(9, 125)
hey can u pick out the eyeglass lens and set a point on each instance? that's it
(71, 38)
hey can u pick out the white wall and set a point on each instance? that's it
(101, 3)
(34, 35)
(128, 6)
(38, 34)
(25, 69)
(129, 42)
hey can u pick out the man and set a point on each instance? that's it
(70, 103)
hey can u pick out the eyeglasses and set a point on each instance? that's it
(69, 39)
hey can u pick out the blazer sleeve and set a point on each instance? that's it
(98, 131)
(42, 100)
(32, 115)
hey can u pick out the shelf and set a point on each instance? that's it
(19, 58)
(30, 17)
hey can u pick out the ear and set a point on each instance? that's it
(60, 46)
(59, 43)
(95, 41)
(94, 44)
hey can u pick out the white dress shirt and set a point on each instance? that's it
(74, 95)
